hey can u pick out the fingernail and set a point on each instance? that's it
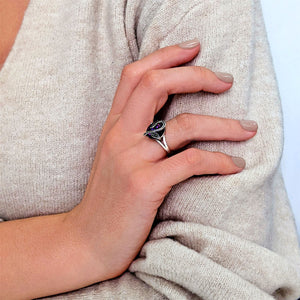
(226, 77)
(249, 125)
(239, 162)
(189, 44)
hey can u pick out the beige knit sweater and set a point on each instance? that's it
(216, 237)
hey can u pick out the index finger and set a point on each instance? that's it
(163, 58)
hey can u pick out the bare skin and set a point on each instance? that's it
(11, 16)
(99, 238)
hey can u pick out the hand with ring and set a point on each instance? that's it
(132, 172)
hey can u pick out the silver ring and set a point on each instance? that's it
(156, 131)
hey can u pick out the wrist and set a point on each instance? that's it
(87, 245)
(103, 241)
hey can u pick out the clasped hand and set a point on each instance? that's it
(131, 173)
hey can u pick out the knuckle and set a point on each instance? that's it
(221, 161)
(129, 72)
(192, 156)
(184, 122)
(219, 157)
(152, 79)
(109, 143)
(136, 183)
(163, 54)
(227, 129)
(200, 72)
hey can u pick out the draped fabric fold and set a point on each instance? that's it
(215, 237)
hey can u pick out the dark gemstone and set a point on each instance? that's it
(156, 130)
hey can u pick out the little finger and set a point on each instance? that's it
(194, 162)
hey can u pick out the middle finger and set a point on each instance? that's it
(154, 88)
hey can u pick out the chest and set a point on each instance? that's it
(11, 16)
(56, 89)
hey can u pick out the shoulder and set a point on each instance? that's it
(148, 22)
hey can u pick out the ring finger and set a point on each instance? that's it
(186, 128)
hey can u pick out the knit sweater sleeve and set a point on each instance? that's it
(216, 237)
(230, 237)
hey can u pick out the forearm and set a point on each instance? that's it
(45, 255)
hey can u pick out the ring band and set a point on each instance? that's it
(156, 131)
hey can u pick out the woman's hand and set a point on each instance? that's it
(131, 173)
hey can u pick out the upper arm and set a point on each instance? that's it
(252, 206)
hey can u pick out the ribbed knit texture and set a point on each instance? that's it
(217, 237)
